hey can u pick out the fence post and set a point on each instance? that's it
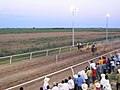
(72, 71)
(70, 48)
(30, 55)
(87, 46)
(56, 58)
(60, 50)
(10, 59)
(47, 53)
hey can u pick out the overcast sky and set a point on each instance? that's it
(57, 13)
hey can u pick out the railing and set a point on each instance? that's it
(30, 55)
(68, 68)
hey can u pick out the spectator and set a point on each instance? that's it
(71, 83)
(92, 65)
(89, 73)
(97, 85)
(108, 65)
(84, 86)
(107, 86)
(101, 64)
(46, 80)
(112, 62)
(79, 82)
(66, 85)
(41, 88)
(55, 86)
(84, 76)
(98, 71)
(103, 81)
(93, 75)
(118, 79)
(75, 81)
(104, 59)
(104, 67)
(60, 86)
(48, 88)
(21, 88)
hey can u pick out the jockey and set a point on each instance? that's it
(94, 48)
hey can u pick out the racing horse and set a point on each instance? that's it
(94, 49)
(80, 46)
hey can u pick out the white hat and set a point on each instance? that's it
(102, 75)
(46, 79)
(97, 85)
(75, 76)
(108, 86)
(84, 86)
(80, 73)
(119, 70)
(119, 54)
(60, 85)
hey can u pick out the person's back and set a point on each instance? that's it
(101, 61)
(66, 85)
(118, 79)
(55, 88)
(71, 83)
(79, 81)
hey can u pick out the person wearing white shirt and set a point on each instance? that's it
(66, 85)
(92, 65)
(55, 87)
(71, 83)
(46, 80)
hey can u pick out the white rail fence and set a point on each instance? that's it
(68, 68)
(30, 55)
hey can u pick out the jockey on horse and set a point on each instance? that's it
(94, 49)
(79, 45)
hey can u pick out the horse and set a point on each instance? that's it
(94, 49)
(80, 46)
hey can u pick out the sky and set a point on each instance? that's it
(58, 13)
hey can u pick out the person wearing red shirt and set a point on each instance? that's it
(93, 75)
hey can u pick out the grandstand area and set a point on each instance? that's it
(30, 74)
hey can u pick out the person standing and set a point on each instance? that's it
(118, 79)
(79, 82)
(71, 83)
(93, 75)
(46, 80)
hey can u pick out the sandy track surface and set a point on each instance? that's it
(6, 37)
(20, 72)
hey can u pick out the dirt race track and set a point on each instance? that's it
(20, 72)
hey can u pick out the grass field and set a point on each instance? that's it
(41, 30)
(23, 40)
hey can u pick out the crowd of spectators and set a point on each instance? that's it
(94, 77)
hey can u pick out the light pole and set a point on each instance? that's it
(73, 18)
(107, 22)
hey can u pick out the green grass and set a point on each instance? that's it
(40, 30)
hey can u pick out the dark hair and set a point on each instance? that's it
(66, 81)
(21, 88)
(48, 87)
(62, 81)
(91, 61)
(69, 77)
(41, 88)
(106, 76)
(78, 75)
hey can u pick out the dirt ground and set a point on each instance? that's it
(19, 72)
